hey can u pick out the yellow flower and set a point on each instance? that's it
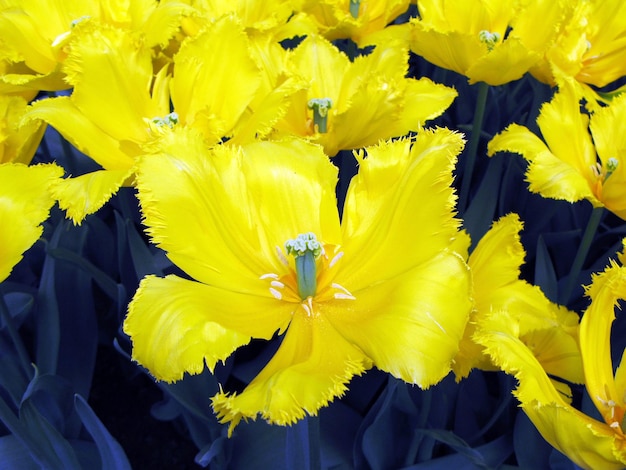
(363, 21)
(25, 202)
(18, 141)
(258, 228)
(590, 45)
(355, 104)
(36, 35)
(589, 443)
(549, 330)
(568, 165)
(119, 108)
(276, 18)
(473, 37)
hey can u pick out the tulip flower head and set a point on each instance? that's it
(582, 156)
(258, 230)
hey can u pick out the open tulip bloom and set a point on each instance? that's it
(588, 442)
(257, 228)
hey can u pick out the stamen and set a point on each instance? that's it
(320, 107)
(269, 276)
(277, 284)
(336, 258)
(308, 306)
(281, 256)
(344, 294)
(277, 294)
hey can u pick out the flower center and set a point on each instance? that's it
(310, 279)
(320, 107)
(305, 249)
(603, 173)
(489, 39)
(614, 416)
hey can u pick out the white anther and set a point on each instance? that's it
(277, 284)
(277, 294)
(344, 294)
(281, 256)
(269, 276)
(336, 258)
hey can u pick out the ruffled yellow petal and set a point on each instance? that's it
(450, 50)
(431, 302)
(319, 61)
(84, 134)
(178, 326)
(557, 351)
(565, 130)
(589, 443)
(211, 91)
(87, 193)
(504, 64)
(312, 366)
(399, 208)
(606, 127)
(105, 58)
(547, 173)
(25, 202)
(18, 141)
(595, 341)
(548, 329)
(221, 213)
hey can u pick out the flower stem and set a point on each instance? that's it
(581, 254)
(472, 148)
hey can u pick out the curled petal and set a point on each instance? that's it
(178, 326)
(304, 375)
(85, 194)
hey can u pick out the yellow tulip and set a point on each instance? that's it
(589, 443)
(590, 46)
(119, 107)
(350, 105)
(363, 21)
(581, 156)
(549, 330)
(258, 229)
(36, 35)
(485, 40)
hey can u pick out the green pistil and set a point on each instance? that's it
(488, 38)
(354, 8)
(305, 248)
(169, 120)
(611, 166)
(320, 107)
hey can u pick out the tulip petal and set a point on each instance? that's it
(87, 193)
(399, 208)
(304, 375)
(25, 202)
(221, 213)
(178, 326)
(410, 325)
